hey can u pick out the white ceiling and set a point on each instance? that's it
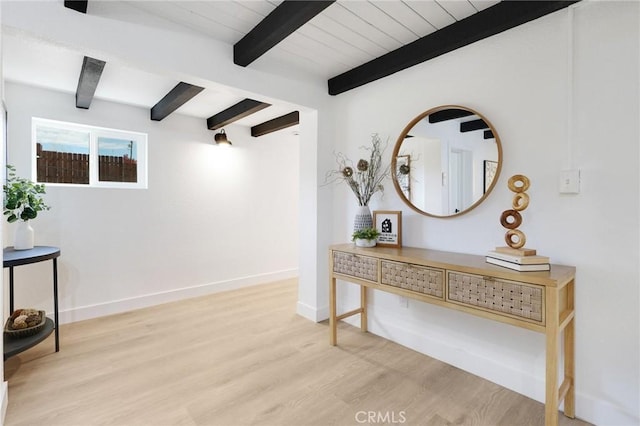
(346, 34)
(41, 64)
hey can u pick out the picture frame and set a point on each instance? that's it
(389, 223)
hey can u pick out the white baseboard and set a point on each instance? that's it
(123, 305)
(602, 412)
(588, 407)
(311, 313)
(5, 400)
(458, 356)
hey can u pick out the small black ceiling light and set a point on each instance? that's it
(221, 138)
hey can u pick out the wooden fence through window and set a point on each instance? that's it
(67, 167)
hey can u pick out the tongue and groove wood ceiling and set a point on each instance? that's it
(348, 43)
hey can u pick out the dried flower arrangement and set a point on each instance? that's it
(366, 179)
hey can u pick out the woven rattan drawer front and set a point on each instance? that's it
(413, 277)
(521, 300)
(362, 267)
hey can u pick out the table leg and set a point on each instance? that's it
(333, 326)
(551, 379)
(55, 302)
(569, 355)
(10, 290)
(363, 306)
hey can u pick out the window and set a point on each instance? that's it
(68, 153)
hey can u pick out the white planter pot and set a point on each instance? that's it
(365, 243)
(23, 238)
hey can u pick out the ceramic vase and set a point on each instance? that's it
(23, 238)
(363, 218)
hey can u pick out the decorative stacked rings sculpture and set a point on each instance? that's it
(515, 255)
(511, 219)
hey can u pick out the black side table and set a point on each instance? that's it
(12, 258)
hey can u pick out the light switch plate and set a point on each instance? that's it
(570, 181)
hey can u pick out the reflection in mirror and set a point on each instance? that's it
(403, 173)
(446, 161)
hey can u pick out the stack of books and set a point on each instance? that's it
(518, 259)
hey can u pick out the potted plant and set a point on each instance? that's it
(22, 202)
(365, 237)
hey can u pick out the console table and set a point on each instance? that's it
(12, 258)
(538, 301)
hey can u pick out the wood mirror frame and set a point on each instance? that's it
(487, 167)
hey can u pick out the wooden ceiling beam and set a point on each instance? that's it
(448, 114)
(88, 81)
(178, 96)
(470, 126)
(276, 124)
(493, 20)
(236, 112)
(77, 5)
(275, 27)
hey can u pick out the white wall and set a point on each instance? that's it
(209, 220)
(521, 81)
(209, 63)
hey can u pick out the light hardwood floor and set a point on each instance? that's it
(244, 358)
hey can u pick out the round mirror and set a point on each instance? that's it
(446, 161)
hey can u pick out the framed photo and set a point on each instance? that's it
(490, 168)
(389, 223)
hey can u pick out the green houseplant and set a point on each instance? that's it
(22, 201)
(365, 237)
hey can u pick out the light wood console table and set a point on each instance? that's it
(538, 301)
